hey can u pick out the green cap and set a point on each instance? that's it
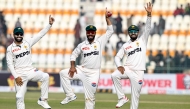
(91, 27)
(133, 27)
(18, 30)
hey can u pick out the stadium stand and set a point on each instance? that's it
(52, 53)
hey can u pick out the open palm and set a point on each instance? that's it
(149, 7)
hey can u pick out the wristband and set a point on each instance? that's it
(149, 14)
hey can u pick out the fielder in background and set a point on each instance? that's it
(89, 70)
(134, 67)
(20, 64)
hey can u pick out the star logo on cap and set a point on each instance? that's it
(133, 26)
(91, 26)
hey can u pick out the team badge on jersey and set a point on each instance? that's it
(93, 84)
(95, 47)
(140, 82)
(25, 47)
(137, 44)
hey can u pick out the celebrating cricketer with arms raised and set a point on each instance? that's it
(20, 64)
(134, 67)
(89, 70)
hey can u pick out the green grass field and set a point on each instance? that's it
(103, 101)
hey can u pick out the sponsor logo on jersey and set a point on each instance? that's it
(22, 54)
(134, 51)
(140, 81)
(128, 47)
(86, 48)
(93, 84)
(16, 49)
(91, 53)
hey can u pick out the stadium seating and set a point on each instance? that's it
(52, 52)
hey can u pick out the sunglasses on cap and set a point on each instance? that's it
(133, 31)
(92, 32)
(21, 34)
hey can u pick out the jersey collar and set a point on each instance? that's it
(86, 42)
(17, 45)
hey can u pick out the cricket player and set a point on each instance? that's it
(20, 64)
(134, 67)
(89, 70)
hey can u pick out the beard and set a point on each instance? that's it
(90, 39)
(18, 39)
(133, 36)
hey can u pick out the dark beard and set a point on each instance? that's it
(90, 39)
(18, 40)
(133, 38)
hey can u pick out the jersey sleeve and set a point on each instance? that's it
(9, 58)
(104, 38)
(76, 52)
(37, 37)
(119, 56)
(146, 31)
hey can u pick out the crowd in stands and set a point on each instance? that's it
(162, 63)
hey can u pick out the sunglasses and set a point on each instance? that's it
(92, 32)
(133, 31)
(21, 34)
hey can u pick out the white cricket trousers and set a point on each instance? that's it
(32, 75)
(89, 78)
(136, 80)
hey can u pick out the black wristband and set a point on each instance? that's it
(149, 14)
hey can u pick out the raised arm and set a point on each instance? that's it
(147, 29)
(104, 38)
(108, 14)
(36, 38)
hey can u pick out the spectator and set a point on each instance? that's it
(4, 44)
(119, 44)
(109, 52)
(159, 58)
(177, 61)
(179, 11)
(9, 40)
(18, 24)
(4, 28)
(78, 40)
(82, 11)
(77, 30)
(82, 21)
(118, 20)
(169, 63)
(1, 17)
(187, 9)
(161, 25)
(151, 57)
(154, 30)
(1, 29)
